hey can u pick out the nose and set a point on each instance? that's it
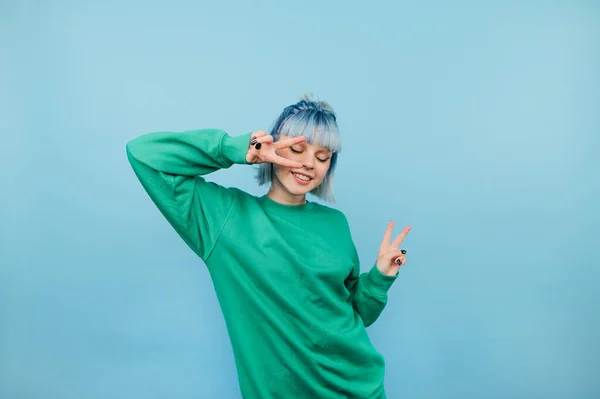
(308, 162)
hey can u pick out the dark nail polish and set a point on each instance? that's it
(257, 146)
(253, 141)
(399, 262)
(403, 251)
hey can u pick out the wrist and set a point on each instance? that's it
(378, 281)
(235, 148)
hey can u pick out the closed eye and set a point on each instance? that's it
(299, 152)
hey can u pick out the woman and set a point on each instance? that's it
(285, 270)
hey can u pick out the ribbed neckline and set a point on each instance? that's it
(273, 206)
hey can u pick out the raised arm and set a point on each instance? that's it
(170, 166)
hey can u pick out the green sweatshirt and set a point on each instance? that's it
(287, 277)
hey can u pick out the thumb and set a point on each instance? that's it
(396, 256)
(252, 156)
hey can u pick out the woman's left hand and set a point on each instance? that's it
(390, 258)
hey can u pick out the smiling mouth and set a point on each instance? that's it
(301, 179)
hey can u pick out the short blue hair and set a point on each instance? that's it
(317, 121)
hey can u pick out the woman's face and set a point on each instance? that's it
(316, 161)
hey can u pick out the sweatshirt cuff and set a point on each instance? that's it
(378, 282)
(235, 149)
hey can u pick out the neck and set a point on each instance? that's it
(285, 197)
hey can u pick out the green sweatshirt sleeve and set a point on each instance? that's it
(170, 166)
(368, 290)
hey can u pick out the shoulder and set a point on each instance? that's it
(335, 215)
(243, 198)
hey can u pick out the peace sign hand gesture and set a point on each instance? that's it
(390, 258)
(262, 149)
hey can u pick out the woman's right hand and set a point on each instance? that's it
(267, 148)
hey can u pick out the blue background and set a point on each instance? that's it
(477, 123)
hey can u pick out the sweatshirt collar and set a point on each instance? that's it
(273, 206)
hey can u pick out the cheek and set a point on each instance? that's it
(281, 171)
(322, 172)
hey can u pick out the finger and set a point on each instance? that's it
(401, 260)
(400, 237)
(290, 142)
(255, 135)
(253, 152)
(393, 256)
(258, 142)
(265, 139)
(387, 236)
(286, 162)
(258, 133)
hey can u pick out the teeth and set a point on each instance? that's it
(301, 177)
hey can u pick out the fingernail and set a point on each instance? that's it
(403, 251)
(399, 262)
(257, 146)
(253, 141)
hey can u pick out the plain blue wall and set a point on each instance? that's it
(478, 124)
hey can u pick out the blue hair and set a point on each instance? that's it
(318, 123)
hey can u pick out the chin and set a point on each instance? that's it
(292, 188)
